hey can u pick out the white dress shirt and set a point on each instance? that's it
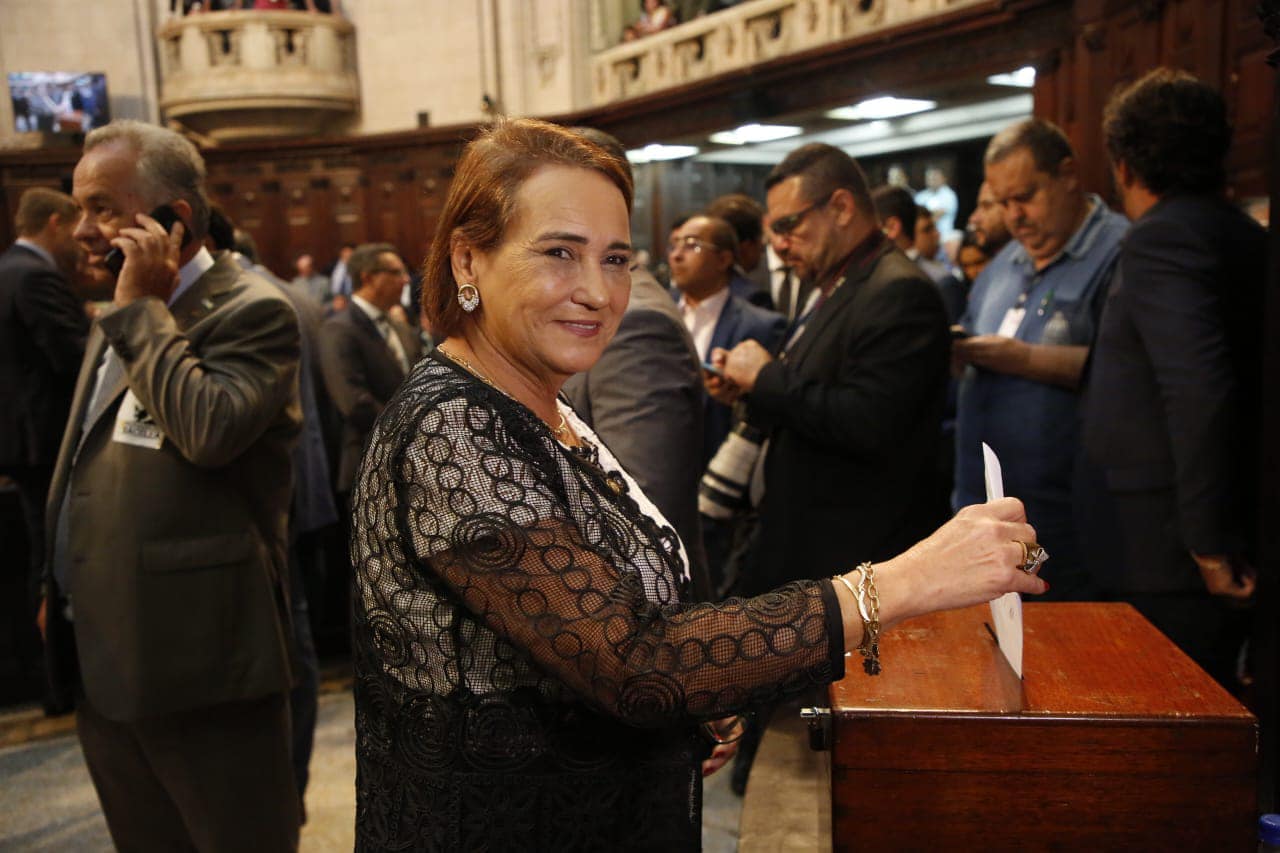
(701, 319)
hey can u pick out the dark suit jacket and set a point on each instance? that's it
(853, 413)
(644, 399)
(361, 373)
(739, 320)
(313, 506)
(177, 555)
(1171, 406)
(42, 336)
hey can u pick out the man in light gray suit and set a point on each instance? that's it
(167, 596)
(644, 399)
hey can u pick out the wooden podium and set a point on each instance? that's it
(1114, 740)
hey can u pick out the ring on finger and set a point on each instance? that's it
(1032, 556)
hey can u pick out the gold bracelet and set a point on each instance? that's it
(868, 601)
(844, 580)
(869, 648)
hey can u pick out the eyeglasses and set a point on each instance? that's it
(690, 244)
(784, 225)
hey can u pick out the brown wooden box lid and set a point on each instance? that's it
(1098, 660)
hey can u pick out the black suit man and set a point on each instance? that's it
(42, 334)
(1172, 396)
(168, 511)
(853, 406)
(364, 352)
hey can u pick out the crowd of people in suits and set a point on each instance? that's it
(1110, 362)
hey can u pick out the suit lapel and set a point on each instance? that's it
(726, 325)
(370, 330)
(836, 304)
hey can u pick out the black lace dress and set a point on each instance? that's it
(527, 677)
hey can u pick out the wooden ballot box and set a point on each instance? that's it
(1114, 740)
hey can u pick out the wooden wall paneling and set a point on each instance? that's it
(1116, 47)
(348, 201)
(1249, 88)
(300, 218)
(271, 228)
(1192, 38)
(429, 195)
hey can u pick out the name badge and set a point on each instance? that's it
(134, 426)
(1012, 320)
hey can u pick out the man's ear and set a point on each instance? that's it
(1067, 171)
(892, 227)
(463, 258)
(842, 202)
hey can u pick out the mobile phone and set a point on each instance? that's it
(712, 369)
(166, 216)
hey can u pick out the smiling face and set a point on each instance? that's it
(553, 291)
(1041, 210)
(105, 184)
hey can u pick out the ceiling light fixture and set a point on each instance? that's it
(754, 133)
(654, 152)
(1023, 78)
(885, 106)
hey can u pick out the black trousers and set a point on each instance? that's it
(210, 779)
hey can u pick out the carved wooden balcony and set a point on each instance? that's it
(252, 74)
(745, 35)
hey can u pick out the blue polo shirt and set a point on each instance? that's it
(1032, 426)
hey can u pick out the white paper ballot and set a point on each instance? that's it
(1006, 611)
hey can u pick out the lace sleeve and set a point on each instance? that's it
(544, 560)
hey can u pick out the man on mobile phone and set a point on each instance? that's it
(165, 612)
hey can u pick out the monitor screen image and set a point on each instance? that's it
(58, 101)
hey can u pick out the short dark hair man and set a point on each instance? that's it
(168, 561)
(1172, 399)
(365, 352)
(1032, 314)
(701, 256)
(750, 279)
(42, 335)
(852, 408)
(901, 220)
(987, 222)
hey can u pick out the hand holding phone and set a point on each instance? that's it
(166, 216)
(708, 367)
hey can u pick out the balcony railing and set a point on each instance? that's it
(247, 74)
(745, 35)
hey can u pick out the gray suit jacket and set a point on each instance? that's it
(644, 399)
(361, 373)
(177, 555)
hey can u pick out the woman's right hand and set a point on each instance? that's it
(971, 559)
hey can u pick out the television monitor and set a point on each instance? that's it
(58, 101)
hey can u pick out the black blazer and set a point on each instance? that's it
(1171, 407)
(43, 329)
(853, 413)
(361, 373)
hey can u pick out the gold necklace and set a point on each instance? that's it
(560, 431)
